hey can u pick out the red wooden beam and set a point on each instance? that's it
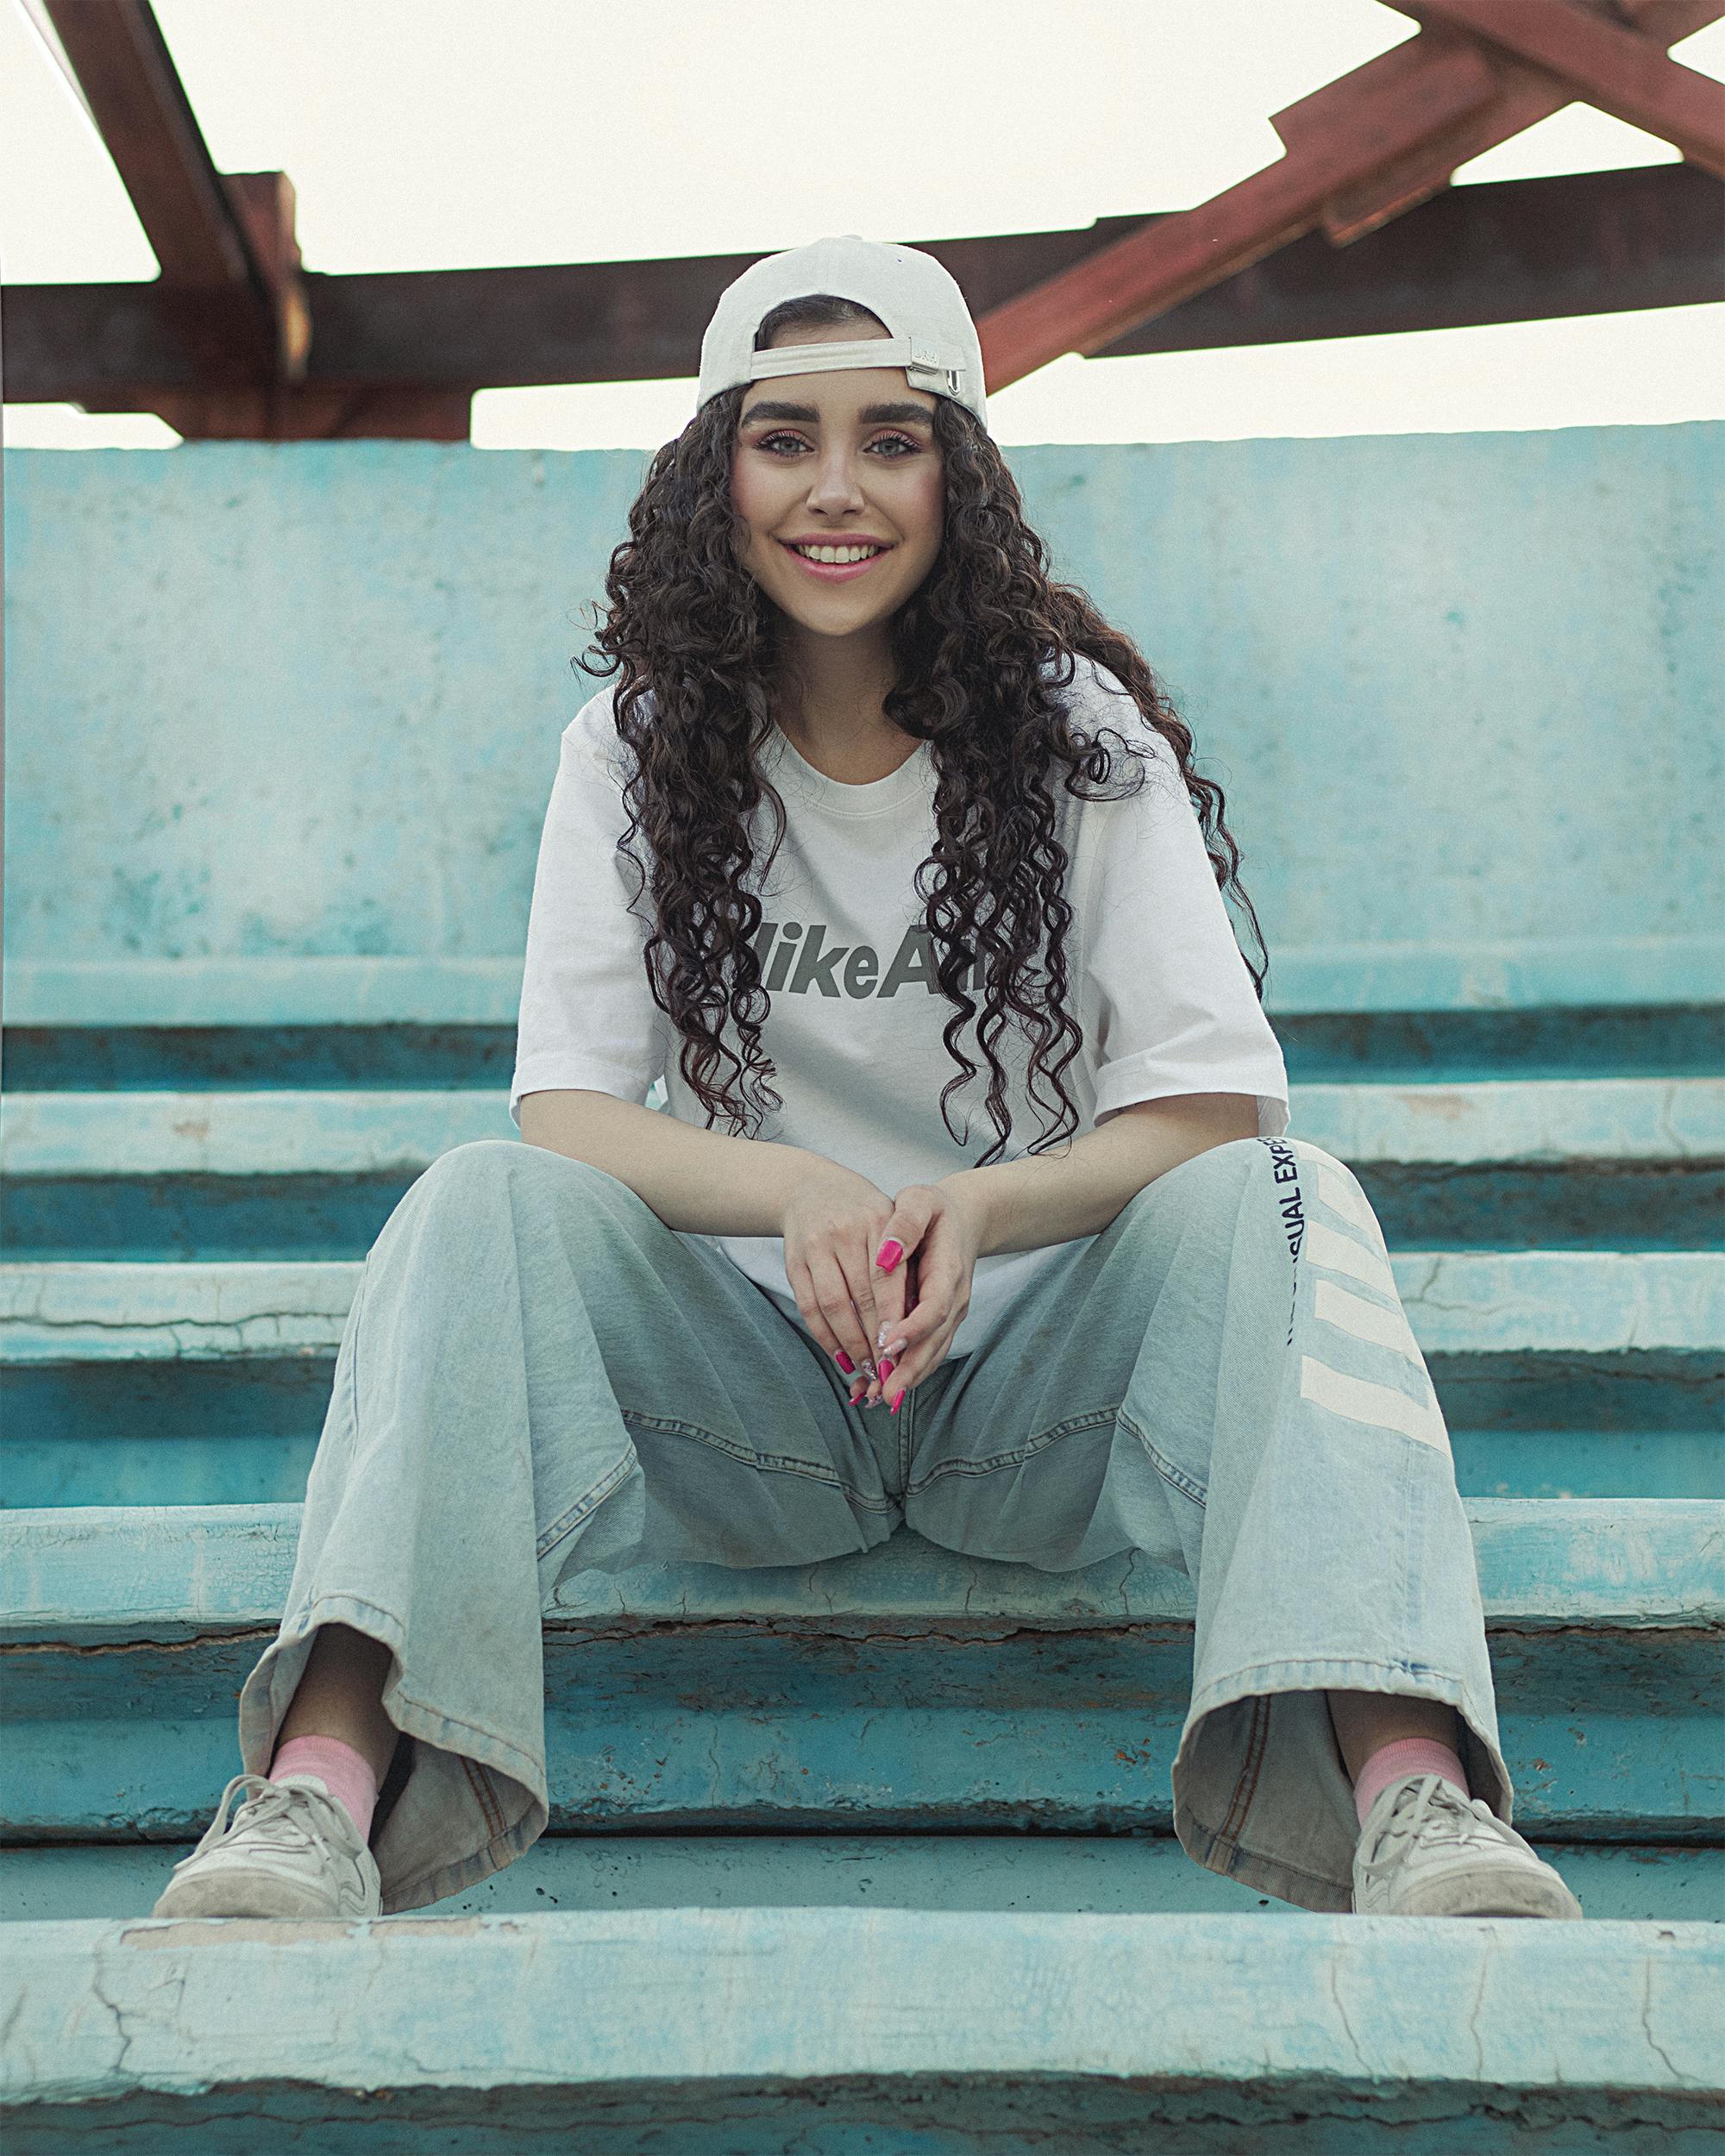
(401, 354)
(1385, 135)
(1521, 250)
(1386, 110)
(1622, 72)
(133, 92)
(227, 237)
(1526, 96)
(1505, 250)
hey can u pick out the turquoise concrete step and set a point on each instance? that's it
(1405, 1043)
(1651, 1303)
(1614, 1162)
(240, 1466)
(1542, 980)
(1110, 1875)
(905, 1688)
(689, 2032)
(1561, 1373)
(247, 1444)
(303, 1130)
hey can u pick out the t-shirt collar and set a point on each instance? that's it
(791, 772)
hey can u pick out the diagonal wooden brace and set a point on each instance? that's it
(1526, 96)
(1350, 129)
(225, 242)
(1622, 72)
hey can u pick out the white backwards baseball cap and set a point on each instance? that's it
(930, 335)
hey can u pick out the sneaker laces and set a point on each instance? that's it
(280, 1813)
(1428, 1807)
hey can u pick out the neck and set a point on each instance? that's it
(832, 691)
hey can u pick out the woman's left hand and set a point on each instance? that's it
(940, 1231)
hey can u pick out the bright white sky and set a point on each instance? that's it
(452, 134)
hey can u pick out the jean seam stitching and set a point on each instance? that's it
(428, 1879)
(1239, 1805)
(475, 1729)
(994, 1462)
(353, 1359)
(667, 1426)
(1187, 1485)
(1175, 1476)
(480, 1782)
(1399, 1666)
(562, 1527)
(769, 1463)
(1216, 1840)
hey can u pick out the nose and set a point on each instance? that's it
(833, 484)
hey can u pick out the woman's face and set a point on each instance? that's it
(834, 459)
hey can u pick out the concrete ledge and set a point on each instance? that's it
(1507, 974)
(904, 1690)
(67, 1450)
(1003, 2030)
(1109, 1874)
(1573, 1303)
(91, 1574)
(288, 1131)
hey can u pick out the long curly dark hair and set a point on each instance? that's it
(698, 647)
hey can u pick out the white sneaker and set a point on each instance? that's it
(1426, 1850)
(292, 1850)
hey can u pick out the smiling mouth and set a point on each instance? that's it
(835, 569)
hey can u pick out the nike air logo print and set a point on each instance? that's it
(795, 960)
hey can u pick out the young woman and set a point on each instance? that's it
(1015, 1250)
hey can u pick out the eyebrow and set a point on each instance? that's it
(870, 414)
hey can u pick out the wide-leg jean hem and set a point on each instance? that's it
(1222, 1846)
(518, 1811)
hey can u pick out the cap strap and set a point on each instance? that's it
(922, 369)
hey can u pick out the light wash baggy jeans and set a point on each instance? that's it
(538, 1377)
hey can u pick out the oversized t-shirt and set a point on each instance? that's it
(1156, 979)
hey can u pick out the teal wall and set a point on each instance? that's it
(270, 703)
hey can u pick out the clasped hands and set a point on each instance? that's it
(885, 1325)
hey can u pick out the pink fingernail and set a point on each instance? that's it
(886, 1368)
(897, 1397)
(844, 1361)
(885, 1261)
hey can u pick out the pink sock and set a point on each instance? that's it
(346, 1774)
(1408, 1755)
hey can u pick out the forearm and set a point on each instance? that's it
(700, 1182)
(1057, 1197)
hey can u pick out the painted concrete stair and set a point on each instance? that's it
(168, 1321)
(1579, 1372)
(901, 1690)
(690, 2031)
(1109, 1874)
(165, 1172)
(185, 945)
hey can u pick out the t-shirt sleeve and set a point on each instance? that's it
(1171, 998)
(588, 1015)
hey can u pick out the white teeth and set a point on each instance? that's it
(837, 553)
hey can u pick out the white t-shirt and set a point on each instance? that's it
(1156, 979)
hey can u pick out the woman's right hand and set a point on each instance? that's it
(832, 1226)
